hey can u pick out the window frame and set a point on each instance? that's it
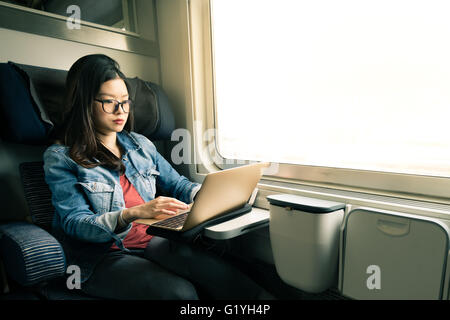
(19, 18)
(406, 186)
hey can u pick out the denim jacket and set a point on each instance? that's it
(88, 202)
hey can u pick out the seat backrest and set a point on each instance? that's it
(37, 193)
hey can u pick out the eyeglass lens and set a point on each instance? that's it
(111, 106)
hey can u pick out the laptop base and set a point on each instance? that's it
(191, 234)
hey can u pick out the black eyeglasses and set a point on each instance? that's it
(111, 105)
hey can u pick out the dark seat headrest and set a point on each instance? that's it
(49, 85)
(153, 114)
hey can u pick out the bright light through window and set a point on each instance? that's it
(346, 84)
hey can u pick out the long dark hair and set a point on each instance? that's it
(77, 130)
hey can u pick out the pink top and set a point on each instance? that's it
(136, 237)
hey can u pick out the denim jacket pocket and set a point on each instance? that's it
(150, 180)
(100, 195)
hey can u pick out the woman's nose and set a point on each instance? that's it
(120, 110)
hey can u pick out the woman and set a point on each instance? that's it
(103, 176)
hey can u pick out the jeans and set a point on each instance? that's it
(169, 270)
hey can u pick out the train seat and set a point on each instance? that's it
(30, 108)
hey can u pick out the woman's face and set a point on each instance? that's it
(106, 123)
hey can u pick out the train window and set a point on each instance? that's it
(113, 13)
(125, 25)
(336, 84)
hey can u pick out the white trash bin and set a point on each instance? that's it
(304, 234)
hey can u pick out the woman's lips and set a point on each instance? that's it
(119, 121)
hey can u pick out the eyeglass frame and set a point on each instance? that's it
(116, 106)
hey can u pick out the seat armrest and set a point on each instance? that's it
(30, 254)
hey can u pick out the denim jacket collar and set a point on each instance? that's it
(128, 142)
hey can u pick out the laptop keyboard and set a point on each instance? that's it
(172, 222)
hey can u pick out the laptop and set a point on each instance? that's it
(221, 192)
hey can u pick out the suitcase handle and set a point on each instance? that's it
(395, 229)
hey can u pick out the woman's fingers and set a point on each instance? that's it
(170, 206)
(165, 202)
(163, 207)
(164, 212)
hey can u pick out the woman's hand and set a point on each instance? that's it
(160, 206)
